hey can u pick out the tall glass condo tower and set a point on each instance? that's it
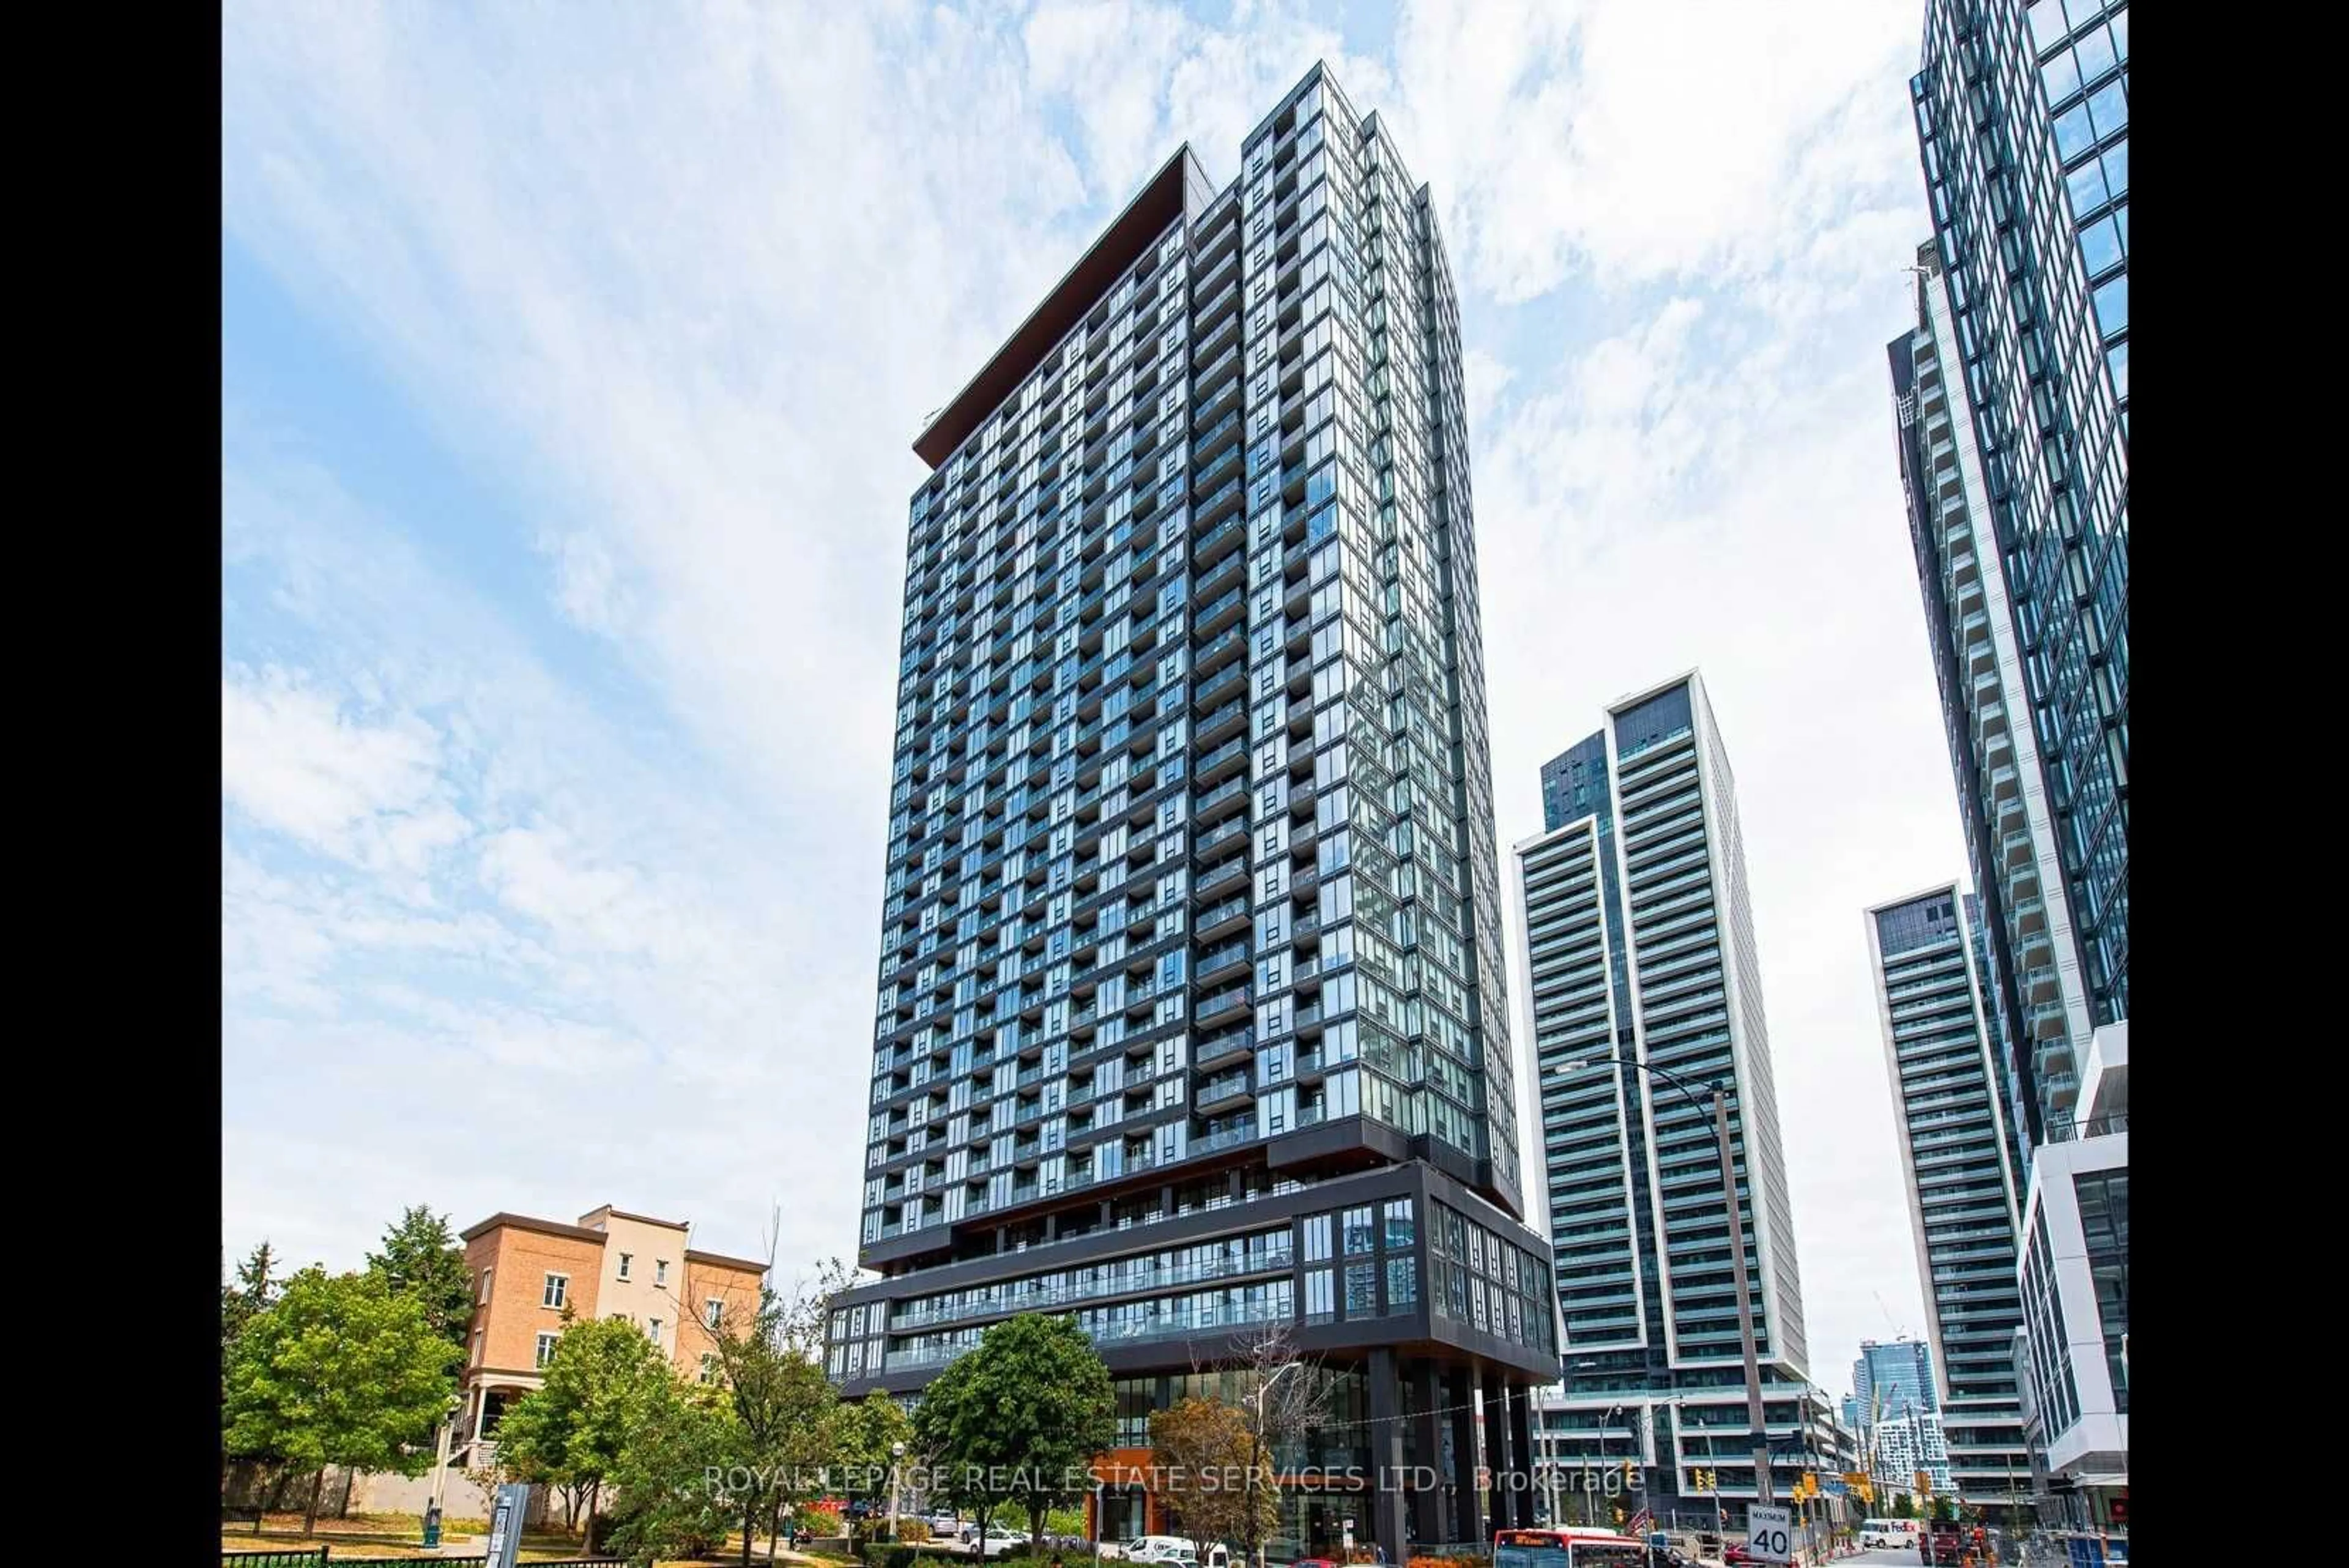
(1189, 1020)
(1640, 943)
(2011, 396)
(1958, 1159)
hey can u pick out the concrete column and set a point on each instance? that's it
(1467, 1508)
(1498, 1458)
(1521, 1439)
(1385, 1524)
(1428, 1503)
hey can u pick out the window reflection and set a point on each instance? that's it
(2111, 305)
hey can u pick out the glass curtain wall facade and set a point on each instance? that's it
(1191, 903)
(1896, 1378)
(1638, 943)
(2022, 127)
(2012, 394)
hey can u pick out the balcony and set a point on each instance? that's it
(1212, 767)
(1230, 873)
(1225, 1004)
(1216, 839)
(1222, 960)
(1210, 807)
(1230, 915)
(1224, 1093)
(1218, 1049)
(1226, 1139)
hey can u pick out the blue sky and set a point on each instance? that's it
(571, 357)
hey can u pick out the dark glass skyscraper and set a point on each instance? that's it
(2013, 391)
(1189, 1019)
(2012, 395)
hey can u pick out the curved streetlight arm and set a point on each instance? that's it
(1666, 1074)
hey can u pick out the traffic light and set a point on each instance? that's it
(1630, 1475)
(1925, 1483)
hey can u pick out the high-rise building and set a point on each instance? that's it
(1190, 1017)
(1638, 943)
(1928, 954)
(2013, 446)
(1892, 1379)
(1899, 1447)
(2012, 395)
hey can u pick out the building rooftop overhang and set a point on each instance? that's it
(1160, 203)
(720, 1261)
(525, 1222)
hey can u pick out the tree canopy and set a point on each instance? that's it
(666, 1505)
(1214, 1473)
(1020, 1417)
(420, 1258)
(338, 1371)
(783, 1408)
(243, 1301)
(606, 1388)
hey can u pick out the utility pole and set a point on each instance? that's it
(1591, 1496)
(1754, 1412)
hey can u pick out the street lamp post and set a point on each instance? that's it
(1591, 1495)
(896, 1453)
(1753, 1411)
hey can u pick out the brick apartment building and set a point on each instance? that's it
(527, 1273)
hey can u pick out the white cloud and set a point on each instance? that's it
(601, 925)
(1640, 138)
(335, 782)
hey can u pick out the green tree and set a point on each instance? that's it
(338, 1371)
(782, 1407)
(864, 1431)
(606, 1383)
(1203, 1450)
(665, 1505)
(241, 1302)
(1020, 1416)
(421, 1258)
(1902, 1508)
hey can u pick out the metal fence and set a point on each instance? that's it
(316, 1557)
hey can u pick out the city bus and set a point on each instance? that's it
(1567, 1548)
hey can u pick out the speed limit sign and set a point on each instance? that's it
(1769, 1533)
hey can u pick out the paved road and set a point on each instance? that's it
(1881, 1557)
